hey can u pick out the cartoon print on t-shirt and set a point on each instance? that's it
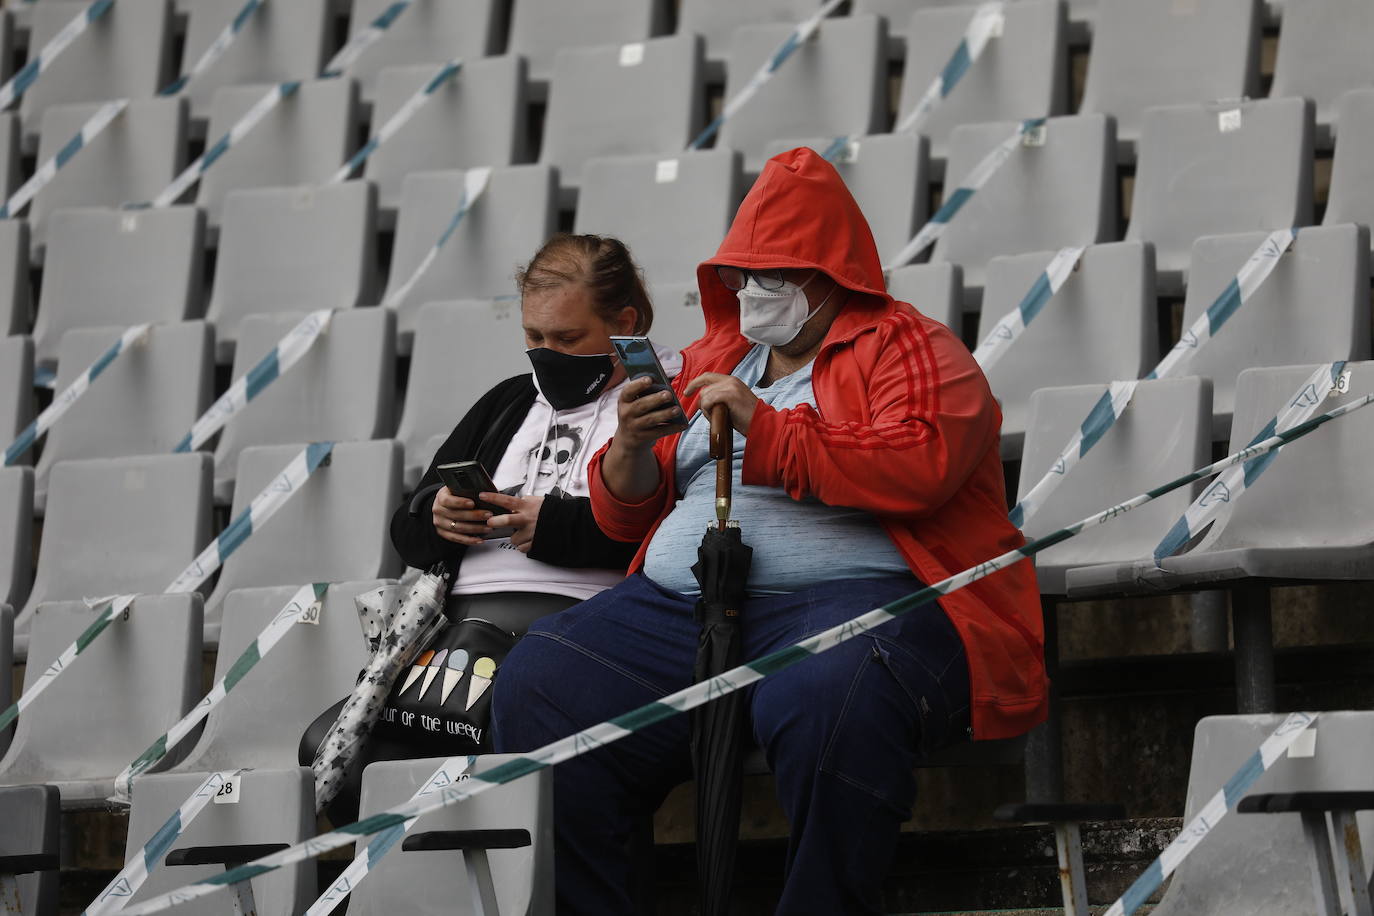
(558, 448)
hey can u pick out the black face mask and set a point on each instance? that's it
(568, 380)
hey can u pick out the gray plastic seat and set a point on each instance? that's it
(1214, 169)
(16, 538)
(275, 806)
(1324, 50)
(341, 390)
(1102, 325)
(936, 291)
(118, 268)
(678, 319)
(16, 294)
(1043, 198)
(1023, 73)
(538, 31)
(6, 648)
(1162, 435)
(10, 160)
(128, 686)
(134, 158)
(671, 212)
(477, 118)
(889, 176)
(1164, 52)
(16, 389)
(142, 404)
(502, 230)
(126, 53)
(428, 32)
(33, 817)
(716, 20)
(461, 350)
(293, 249)
(1252, 865)
(415, 883)
(1351, 199)
(335, 529)
(303, 141)
(834, 84)
(279, 42)
(641, 98)
(1313, 308)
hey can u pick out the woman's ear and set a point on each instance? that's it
(627, 321)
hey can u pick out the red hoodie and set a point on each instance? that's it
(904, 427)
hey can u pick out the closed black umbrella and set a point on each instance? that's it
(722, 571)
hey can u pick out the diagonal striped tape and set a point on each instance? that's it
(1202, 824)
(399, 119)
(450, 772)
(703, 692)
(474, 183)
(1113, 403)
(131, 877)
(49, 169)
(216, 49)
(285, 354)
(22, 81)
(304, 604)
(987, 22)
(935, 227)
(1211, 512)
(800, 33)
(348, 55)
(1009, 329)
(73, 392)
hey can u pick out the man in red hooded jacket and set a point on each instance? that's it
(867, 462)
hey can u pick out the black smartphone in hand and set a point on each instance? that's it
(467, 479)
(639, 359)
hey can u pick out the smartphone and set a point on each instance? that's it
(467, 479)
(639, 359)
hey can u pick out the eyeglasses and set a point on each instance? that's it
(735, 278)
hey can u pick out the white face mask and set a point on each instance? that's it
(774, 317)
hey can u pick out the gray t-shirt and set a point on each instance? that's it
(796, 544)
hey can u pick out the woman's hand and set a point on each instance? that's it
(643, 418)
(522, 515)
(458, 519)
(717, 388)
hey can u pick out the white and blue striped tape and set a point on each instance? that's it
(474, 183)
(399, 119)
(987, 22)
(73, 392)
(131, 877)
(1114, 401)
(39, 63)
(799, 34)
(216, 49)
(278, 360)
(1009, 329)
(348, 55)
(45, 173)
(1211, 512)
(713, 688)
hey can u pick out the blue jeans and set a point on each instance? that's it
(842, 730)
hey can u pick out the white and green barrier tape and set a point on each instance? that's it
(39, 63)
(987, 23)
(1009, 329)
(474, 183)
(348, 55)
(216, 49)
(398, 120)
(48, 170)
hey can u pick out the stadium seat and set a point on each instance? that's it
(539, 31)
(1023, 73)
(409, 883)
(671, 212)
(461, 350)
(640, 98)
(16, 389)
(1162, 435)
(1213, 169)
(16, 528)
(833, 85)
(429, 32)
(293, 249)
(1324, 50)
(936, 291)
(119, 525)
(341, 390)
(477, 118)
(10, 160)
(34, 818)
(6, 44)
(1169, 52)
(1058, 188)
(141, 405)
(502, 230)
(118, 268)
(6, 634)
(126, 53)
(333, 530)
(1314, 307)
(307, 672)
(275, 806)
(889, 176)
(303, 141)
(716, 20)
(129, 685)
(1101, 326)
(1351, 199)
(131, 160)
(678, 319)
(16, 297)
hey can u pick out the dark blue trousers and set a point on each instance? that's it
(842, 730)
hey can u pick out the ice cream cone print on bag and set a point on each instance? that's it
(436, 664)
(417, 669)
(482, 672)
(453, 672)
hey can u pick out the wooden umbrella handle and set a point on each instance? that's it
(722, 445)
